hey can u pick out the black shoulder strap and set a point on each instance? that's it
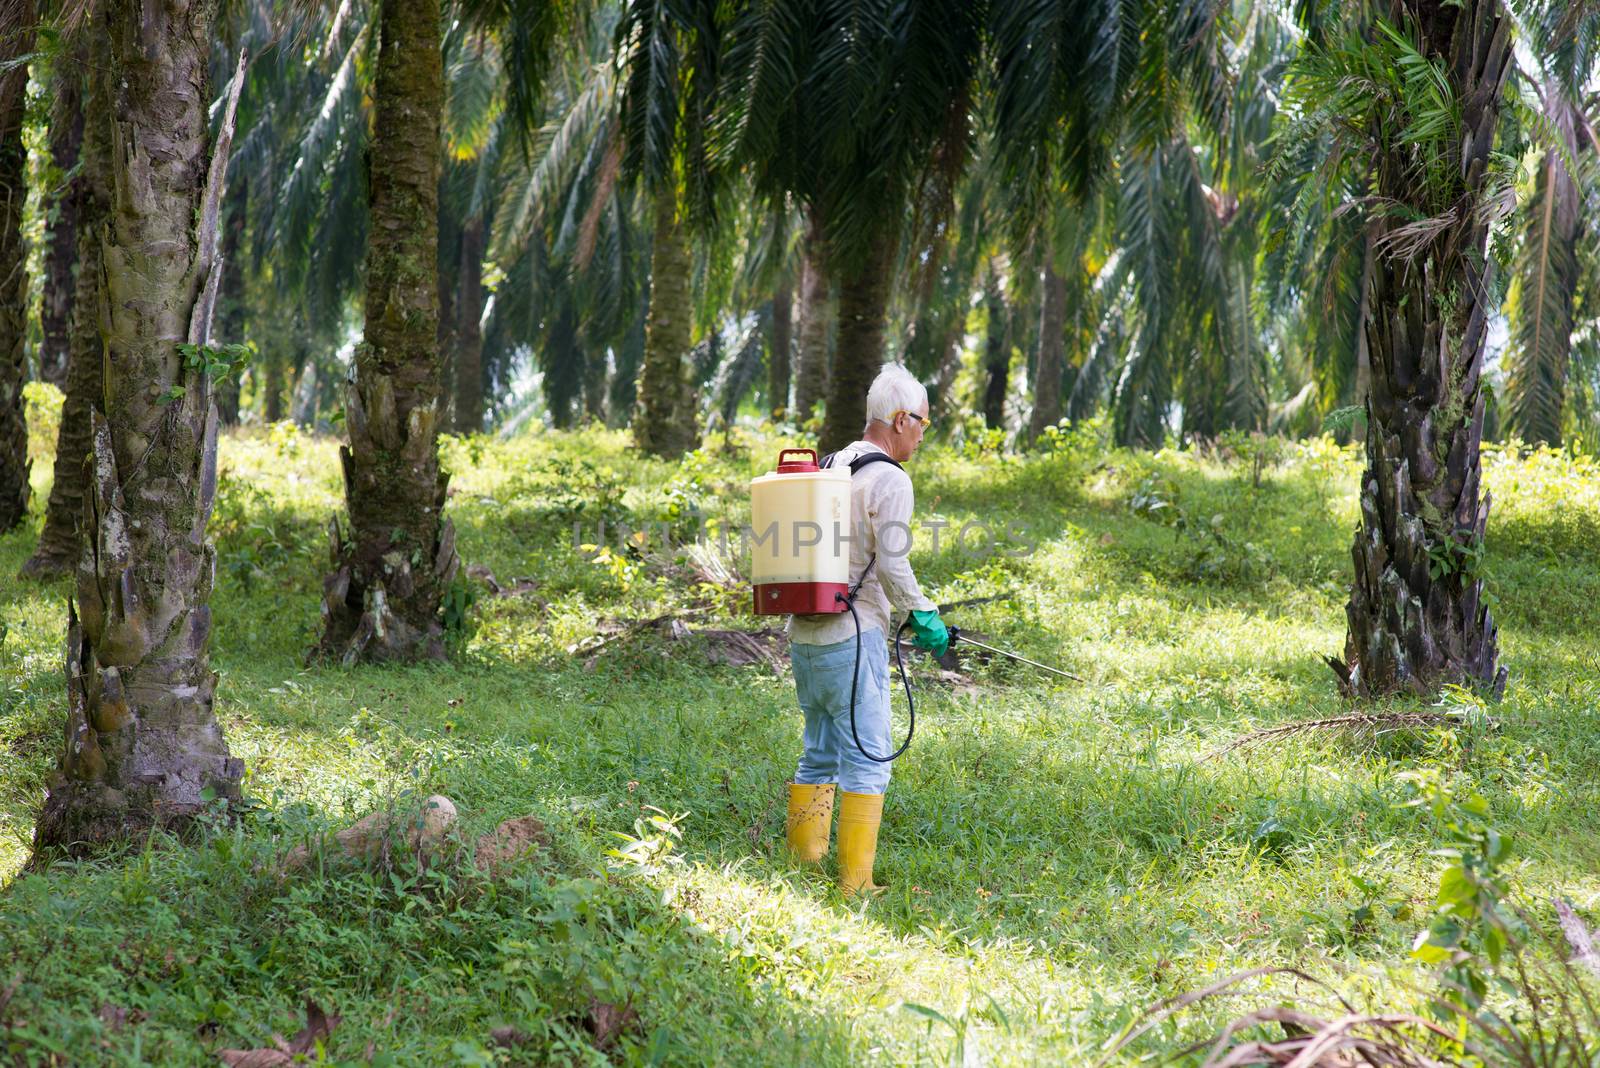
(862, 461)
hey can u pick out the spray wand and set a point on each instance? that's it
(956, 635)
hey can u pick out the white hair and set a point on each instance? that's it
(894, 390)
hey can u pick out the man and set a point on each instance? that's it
(823, 647)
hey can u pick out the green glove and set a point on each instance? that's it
(930, 632)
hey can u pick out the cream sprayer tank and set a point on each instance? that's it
(799, 547)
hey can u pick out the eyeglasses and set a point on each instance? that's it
(924, 420)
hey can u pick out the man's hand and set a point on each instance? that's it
(930, 632)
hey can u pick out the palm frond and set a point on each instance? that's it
(474, 97)
(1541, 300)
(562, 147)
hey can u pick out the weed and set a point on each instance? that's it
(1057, 856)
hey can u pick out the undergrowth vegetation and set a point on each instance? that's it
(1059, 857)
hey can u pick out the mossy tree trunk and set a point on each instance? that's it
(59, 543)
(469, 333)
(382, 600)
(996, 351)
(811, 356)
(234, 312)
(665, 423)
(16, 40)
(61, 248)
(1417, 618)
(863, 303)
(1051, 354)
(143, 746)
(780, 350)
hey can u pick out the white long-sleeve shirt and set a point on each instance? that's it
(881, 501)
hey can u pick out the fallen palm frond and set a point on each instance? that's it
(1339, 1037)
(1552, 1020)
(1578, 936)
(1354, 725)
(1371, 1041)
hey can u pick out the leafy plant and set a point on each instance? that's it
(1259, 452)
(1472, 927)
(459, 597)
(652, 845)
(1212, 552)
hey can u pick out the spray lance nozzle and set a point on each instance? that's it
(957, 635)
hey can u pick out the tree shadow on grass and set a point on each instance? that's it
(210, 947)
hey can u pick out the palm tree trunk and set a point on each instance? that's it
(61, 251)
(469, 335)
(949, 349)
(16, 40)
(1052, 353)
(382, 601)
(59, 543)
(233, 296)
(143, 744)
(811, 359)
(1417, 620)
(863, 301)
(564, 365)
(272, 386)
(622, 393)
(997, 352)
(780, 345)
(666, 423)
(594, 383)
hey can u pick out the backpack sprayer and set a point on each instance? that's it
(813, 577)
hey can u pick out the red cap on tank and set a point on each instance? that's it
(795, 467)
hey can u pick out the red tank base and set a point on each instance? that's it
(800, 598)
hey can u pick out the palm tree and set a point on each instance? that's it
(780, 351)
(996, 346)
(302, 150)
(670, 56)
(475, 128)
(665, 422)
(1050, 357)
(1100, 114)
(849, 109)
(572, 242)
(59, 540)
(1414, 103)
(1071, 250)
(143, 744)
(1555, 226)
(815, 323)
(16, 41)
(382, 602)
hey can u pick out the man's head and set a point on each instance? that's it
(897, 412)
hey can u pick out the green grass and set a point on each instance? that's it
(1058, 856)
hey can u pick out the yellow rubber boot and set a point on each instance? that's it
(859, 817)
(810, 813)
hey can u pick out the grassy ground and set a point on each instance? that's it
(1058, 856)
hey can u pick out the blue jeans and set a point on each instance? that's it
(822, 682)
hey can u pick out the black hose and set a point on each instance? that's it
(855, 673)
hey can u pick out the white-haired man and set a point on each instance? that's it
(823, 648)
